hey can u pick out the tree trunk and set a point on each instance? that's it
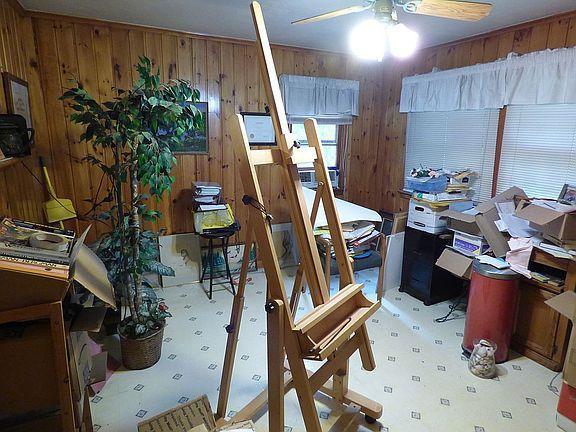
(117, 182)
(135, 230)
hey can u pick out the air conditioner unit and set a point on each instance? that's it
(308, 178)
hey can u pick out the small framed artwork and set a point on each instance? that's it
(259, 129)
(196, 141)
(568, 194)
(17, 97)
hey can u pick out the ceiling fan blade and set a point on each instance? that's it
(453, 9)
(333, 14)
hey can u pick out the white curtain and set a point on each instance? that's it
(328, 100)
(543, 77)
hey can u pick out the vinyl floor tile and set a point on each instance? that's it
(421, 379)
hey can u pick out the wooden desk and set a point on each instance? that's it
(542, 334)
(52, 312)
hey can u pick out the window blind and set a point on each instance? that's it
(454, 140)
(539, 149)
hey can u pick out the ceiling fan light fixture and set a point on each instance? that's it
(403, 42)
(368, 40)
(373, 39)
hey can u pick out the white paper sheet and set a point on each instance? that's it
(347, 211)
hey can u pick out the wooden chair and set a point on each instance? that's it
(335, 329)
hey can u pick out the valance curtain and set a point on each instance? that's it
(328, 100)
(543, 77)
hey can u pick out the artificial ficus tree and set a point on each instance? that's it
(137, 129)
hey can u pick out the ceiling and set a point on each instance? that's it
(231, 18)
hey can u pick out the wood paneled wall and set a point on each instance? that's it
(379, 162)
(20, 195)
(49, 50)
(101, 55)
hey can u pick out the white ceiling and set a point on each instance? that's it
(231, 18)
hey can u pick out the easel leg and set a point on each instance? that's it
(301, 383)
(275, 321)
(234, 328)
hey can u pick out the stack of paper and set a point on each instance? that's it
(206, 192)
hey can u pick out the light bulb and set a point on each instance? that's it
(368, 40)
(402, 41)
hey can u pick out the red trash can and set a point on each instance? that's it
(492, 305)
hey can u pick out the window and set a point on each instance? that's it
(538, 149)
(454, 140)
(329, 137)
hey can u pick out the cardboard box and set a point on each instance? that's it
(468, 244)
(29, 289)
(84, 363)
(483, 221)
(425, 218)
(555, 224)
(565, 304)
(456, 263)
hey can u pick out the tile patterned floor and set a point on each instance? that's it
(421, 378)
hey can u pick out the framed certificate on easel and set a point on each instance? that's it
(259, 129)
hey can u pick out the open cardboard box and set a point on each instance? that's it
(482, 223)
(565, 304)
(559, 226)
(29, 289)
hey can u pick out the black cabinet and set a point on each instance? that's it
(421, 278)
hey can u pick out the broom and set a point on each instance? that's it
(56, 209)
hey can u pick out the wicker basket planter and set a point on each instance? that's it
(143, 352)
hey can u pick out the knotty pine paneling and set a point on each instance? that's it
(20, 195)
(101, 54)
(49, 50)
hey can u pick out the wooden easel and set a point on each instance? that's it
(335, 329)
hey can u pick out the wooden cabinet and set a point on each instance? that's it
(541, 333)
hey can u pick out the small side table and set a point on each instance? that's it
(223, 235)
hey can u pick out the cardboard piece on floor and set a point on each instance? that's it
(182, 418)
(565, 304)
(244, 426)
(456, 263)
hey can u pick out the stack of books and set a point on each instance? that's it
(358, 236)
(206, 192)
(31, 247)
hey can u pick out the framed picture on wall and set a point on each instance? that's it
(17, 97)
(568, 194)
(259, 128)
(196, 141)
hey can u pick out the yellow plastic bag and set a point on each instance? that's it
(214, 219)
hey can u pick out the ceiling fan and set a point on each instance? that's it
(385, 10)
(383, 33)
